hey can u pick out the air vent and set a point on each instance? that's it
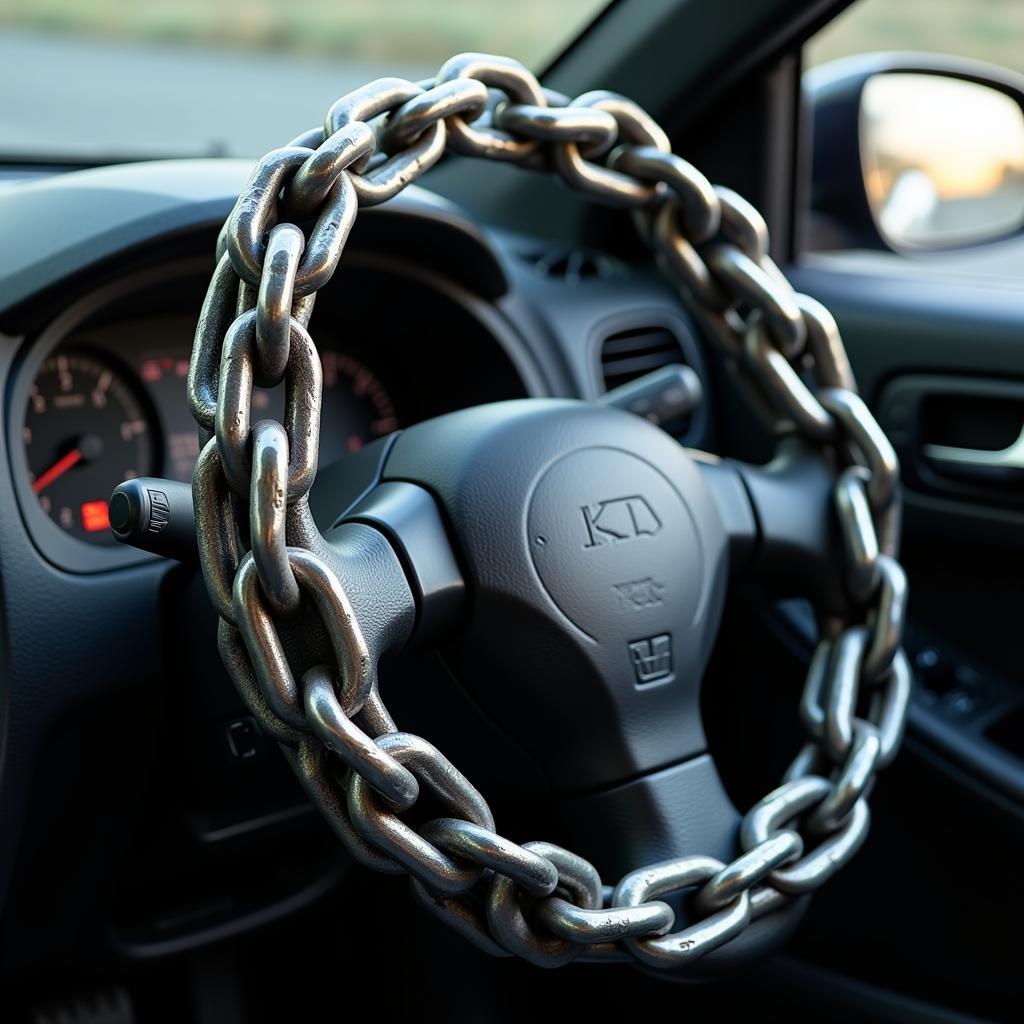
(630, 354)
(571, 265)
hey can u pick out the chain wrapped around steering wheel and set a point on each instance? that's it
(270, 578)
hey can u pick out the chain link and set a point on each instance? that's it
(281, 244)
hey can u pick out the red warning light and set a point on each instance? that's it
(95, 516)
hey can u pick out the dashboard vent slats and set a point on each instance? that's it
(630, 354)
(571, 265)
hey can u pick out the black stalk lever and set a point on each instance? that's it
(154, 515)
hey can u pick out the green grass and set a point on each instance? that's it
(532, 30)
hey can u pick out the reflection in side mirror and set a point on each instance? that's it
(943, 159)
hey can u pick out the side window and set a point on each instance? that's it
(990, 30)
(917, 154)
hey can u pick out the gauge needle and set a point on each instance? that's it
(59, 468)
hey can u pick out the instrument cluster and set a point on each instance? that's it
(109, 405)
(100, 393)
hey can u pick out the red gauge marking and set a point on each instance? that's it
(95, 516)
(58, 469)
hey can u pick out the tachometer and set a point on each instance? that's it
(85, 431)
(356, 409)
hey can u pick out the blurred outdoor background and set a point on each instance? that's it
(991, 30)
(413, 31)
(136, 78)
(102, 80)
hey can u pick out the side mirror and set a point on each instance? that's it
(915, 153)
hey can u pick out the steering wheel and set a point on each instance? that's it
(570, 559)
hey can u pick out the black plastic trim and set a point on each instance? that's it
(62, 550)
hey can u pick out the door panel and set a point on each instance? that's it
(941, 362)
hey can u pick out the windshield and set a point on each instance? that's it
(115, 79)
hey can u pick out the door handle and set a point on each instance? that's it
(1010, 457)
(943, 427)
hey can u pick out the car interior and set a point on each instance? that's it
(543, 542)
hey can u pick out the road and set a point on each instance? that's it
(93, 98)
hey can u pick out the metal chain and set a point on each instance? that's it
(259, 556)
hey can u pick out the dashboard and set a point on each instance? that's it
(129, 746)
(108, 404)
(98, 396)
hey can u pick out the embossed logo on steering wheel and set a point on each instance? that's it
(619, 519)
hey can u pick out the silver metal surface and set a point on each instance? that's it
(610, 924)
(742, 224)
(812, 709)
(854, 778)
(267, 574)
(343, 737)
(1010, 457)
(888, 708)
(466, 97)
(349, 146)
(508, 923)
(787, 389)
(749, 870)
(533, 873)
(275, 300)
(681, 261)
(392, 836)
(752, 284)
(844, 688)
(887, 619)
(774, 811)
(596, 129)
(254, 213)
(831, 365)
(475, 137)
(700, 213)
(858, 530)
(870, 441)
(681, 947)
(817, 867)
(268, 510)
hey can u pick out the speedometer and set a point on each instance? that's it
(85, 431)
(356, 406)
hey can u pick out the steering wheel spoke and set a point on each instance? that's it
(780, 518)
